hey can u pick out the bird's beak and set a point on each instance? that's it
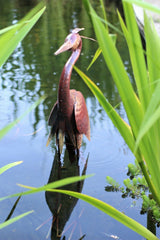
(65, 46)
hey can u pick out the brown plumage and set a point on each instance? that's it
(69, 116)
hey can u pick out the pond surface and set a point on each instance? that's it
(31, 72)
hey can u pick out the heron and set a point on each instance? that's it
(69, 118)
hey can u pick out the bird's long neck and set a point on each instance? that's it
(64, 99)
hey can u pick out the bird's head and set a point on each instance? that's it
(71, 42)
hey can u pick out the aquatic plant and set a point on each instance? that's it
(141, 105)
(136, 187)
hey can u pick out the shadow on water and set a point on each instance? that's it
(61, 205)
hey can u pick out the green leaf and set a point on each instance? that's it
(114, 62)
(6, 129)
(12, 220)
(96, 55)
(8, 166)
(104, 13)
(134, 43)
(112, 182)
(57, 184)
(152, 51)
(145, 5)
(98, 52)
(4, 30)
(13, 35)
(121, 125)
(111, 211)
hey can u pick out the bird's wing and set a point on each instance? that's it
(81, 113)
(53, 115)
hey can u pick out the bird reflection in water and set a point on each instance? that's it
(62, 205)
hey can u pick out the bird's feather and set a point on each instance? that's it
(81, 113)
(53, 115)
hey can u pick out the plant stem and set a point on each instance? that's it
(149, 182)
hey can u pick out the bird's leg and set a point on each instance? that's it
(57, 143)
(77, 153)
(76, 149)
(60, 141)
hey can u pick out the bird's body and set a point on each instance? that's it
(69, 116)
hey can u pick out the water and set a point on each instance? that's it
(31, 72)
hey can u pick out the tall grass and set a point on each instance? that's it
(142, 106)
(142, 134)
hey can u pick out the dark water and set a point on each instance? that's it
(31, 72)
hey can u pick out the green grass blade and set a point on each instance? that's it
(4, 30)
(104, 13)
(111, 211)
(149, 146)
(121, 125)
(110, 25)
(57, 184)
(135, 47)
(117, 69)
(133, 106)
(147, 125)
(96, 55)
(8, 166)
(98, 52)
(10, 39)
(6, 129)
(151, 116)
(12, 220)
(144, 5)
(152, 51)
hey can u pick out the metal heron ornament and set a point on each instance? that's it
(69, 116)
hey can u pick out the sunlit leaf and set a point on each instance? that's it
(98, 52)
(135, 47)
(12, 220)
(104, 13)
(151, 116)
(57, 184)
(121, 125)
(96, 55)
(8, 166)
(13, 35)
(111, 211)
(152, 52)
(145, 5)
(4, 30)
(119, 74)
(135, 102)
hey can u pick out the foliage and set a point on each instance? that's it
(12, 220)
(136, 187)
(56, 184)
(142, 106)
(11, 36)
(8, 166)
(106, 208)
